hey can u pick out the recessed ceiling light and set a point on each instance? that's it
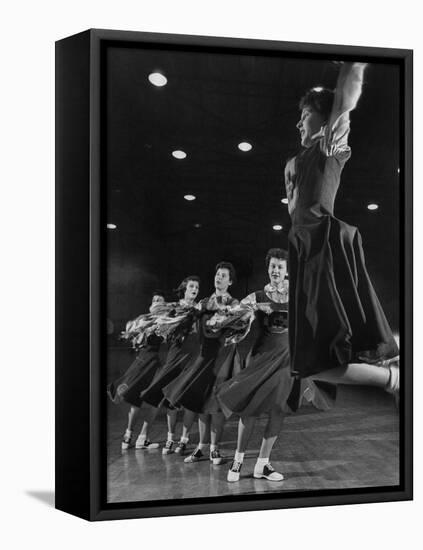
(157, 79)
(285, 201)
(277, 227)
(245, 146)
(399, 170)
(197, 225)
(179, 154)
(189, 197)
(318, 89)
(111, 226)
(372, 206)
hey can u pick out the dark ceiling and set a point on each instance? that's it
(213, 101)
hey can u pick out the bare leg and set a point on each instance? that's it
(171, 420)
(172, 417)
(204, 429)
(149, 416)
(245, 427)
(271, 432)
(132, 417)
(356, 373)
(127, 436)
(263, 468)
(188, 421)
(217, 422)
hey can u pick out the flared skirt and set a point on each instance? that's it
(178, 357)
(264, 383)
(195, 388)
(136, 379)
(335, 317)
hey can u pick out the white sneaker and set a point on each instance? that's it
(234, 471)
(394, 380)
(168, 448)
(393, 386)
(127, 440)
(196, 456)
(215, 457)
(268, 472)
(142, 443)
(181, 448)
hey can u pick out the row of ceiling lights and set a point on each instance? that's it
(193, 197)
(243, 146)
(276, 227)
(159, 80)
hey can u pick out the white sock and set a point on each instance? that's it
(184, 440)
(213, 448)
(170, 436)
(261, 463)
(393, 382)
(239, 457)
(202, 446)
(128, 432)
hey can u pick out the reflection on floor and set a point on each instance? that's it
(356, 444)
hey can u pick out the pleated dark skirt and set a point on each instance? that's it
(136, 379)
(179, 355)
(335, 317)
(265, 382)
(195, 388)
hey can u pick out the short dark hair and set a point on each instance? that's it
(319, 99)
(229, 267)
(183, 285)
(278, 253)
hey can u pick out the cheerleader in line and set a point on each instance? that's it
(195, 388)
(136, 379)
(338, 331)
(184, 348)
(265, 385)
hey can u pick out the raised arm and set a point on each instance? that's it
(348, 89)
(334, 135)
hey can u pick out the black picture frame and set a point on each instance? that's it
(80, 251)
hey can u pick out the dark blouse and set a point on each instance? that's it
(312, 177)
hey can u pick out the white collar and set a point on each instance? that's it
(185, 303)
(280, 289)
(222, 298)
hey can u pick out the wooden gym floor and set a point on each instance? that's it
(355, 444)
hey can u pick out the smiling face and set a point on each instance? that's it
(309, 124)
(277, 270)
(191, 290)
(222, 279)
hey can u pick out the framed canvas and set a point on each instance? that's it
(228, 335)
